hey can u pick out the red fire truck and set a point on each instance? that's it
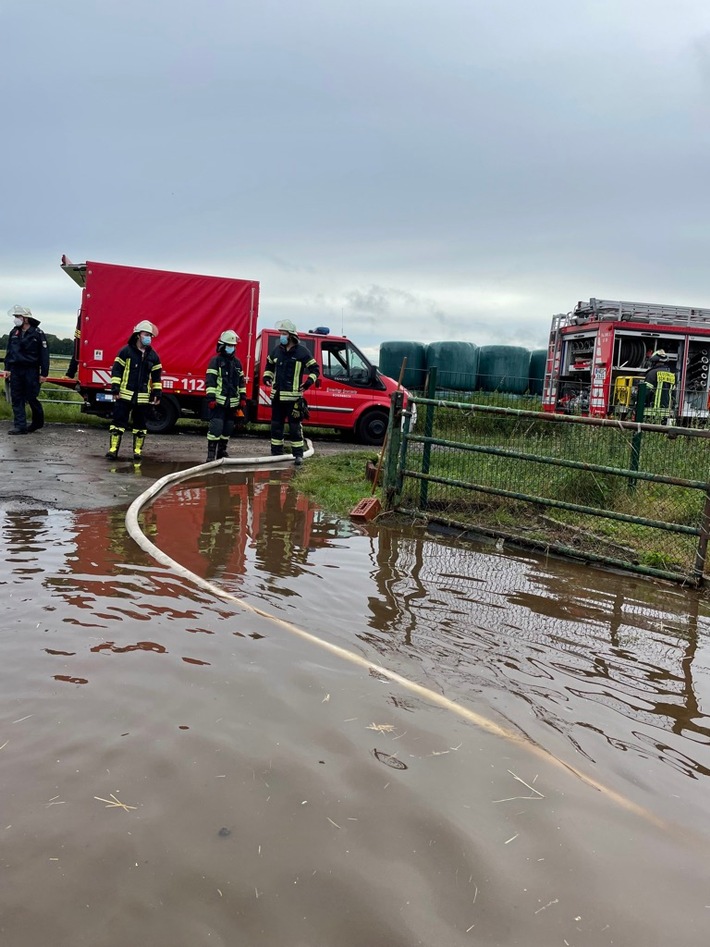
(191, 311)
(599, 352)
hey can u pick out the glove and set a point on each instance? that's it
(267, 381)
(114, 389)
(243, 404)
(306, 385)
(211, 404)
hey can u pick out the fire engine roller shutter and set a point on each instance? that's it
(504, 368)
(392, 354)
(456, 365)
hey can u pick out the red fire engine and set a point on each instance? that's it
(191, 310)
(599, 352)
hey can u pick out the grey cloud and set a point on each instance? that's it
(467, 172)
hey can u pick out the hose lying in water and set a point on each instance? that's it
(425, 693)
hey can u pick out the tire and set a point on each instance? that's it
(372, 427)
(162, 418)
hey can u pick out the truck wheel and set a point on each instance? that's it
(162, 418)
(372, 427)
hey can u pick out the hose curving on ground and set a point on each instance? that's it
(425, 693)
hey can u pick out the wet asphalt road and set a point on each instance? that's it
(63, 466)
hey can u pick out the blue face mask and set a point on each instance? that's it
(146, 340)
(229, 349)
(283, 339)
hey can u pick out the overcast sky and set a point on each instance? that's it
(459, 169)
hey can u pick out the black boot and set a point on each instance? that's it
(211, 450)
(222, 449)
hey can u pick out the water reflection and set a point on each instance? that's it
(206, 718)
(602, 661)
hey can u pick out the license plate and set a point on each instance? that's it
(104, 396)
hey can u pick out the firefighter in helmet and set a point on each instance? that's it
(226, 393)
(290, 371)
(27, 366)
(135, 384)
(660, 383)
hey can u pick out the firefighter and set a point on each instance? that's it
(74, 361)
(135, 383)
(660, 385)
(27, 366)
(290, 371)
(226, 392)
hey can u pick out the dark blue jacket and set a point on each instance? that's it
(27, 350)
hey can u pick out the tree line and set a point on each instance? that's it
(55, 345)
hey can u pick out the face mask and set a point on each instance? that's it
(229, 349)
(283, 339)
(146, 340)
(18, 321)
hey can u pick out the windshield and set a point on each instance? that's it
(343, 362)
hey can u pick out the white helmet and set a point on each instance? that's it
(145, 326)
(22, 311)
(229, 337)
(287, 326)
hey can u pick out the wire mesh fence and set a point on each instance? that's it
(632, 495)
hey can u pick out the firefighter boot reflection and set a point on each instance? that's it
(115, 435)
(138, 442)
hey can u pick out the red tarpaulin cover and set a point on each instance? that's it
(190, 312)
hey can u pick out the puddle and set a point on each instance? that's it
(177, 771)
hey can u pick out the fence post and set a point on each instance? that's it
(394, 441)
(702, 550)
(638, 436)
(428, 429)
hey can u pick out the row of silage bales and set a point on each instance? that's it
(392, 356)
(538, 364)
(465, 366)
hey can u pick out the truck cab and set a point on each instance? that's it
(350, 395)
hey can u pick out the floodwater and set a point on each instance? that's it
(178, 771)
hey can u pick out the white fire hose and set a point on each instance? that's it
(425, 693)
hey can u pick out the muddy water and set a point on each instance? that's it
(278, 795)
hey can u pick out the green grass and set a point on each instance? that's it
(667, 454)
(337, 482)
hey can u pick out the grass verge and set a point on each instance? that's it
(336, 482)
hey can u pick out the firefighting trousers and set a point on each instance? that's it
(24, 389)
(282, 413)
(221, 423)
(123, 410)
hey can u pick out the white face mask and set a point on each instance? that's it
(18, 321)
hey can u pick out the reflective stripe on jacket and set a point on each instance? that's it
(225, 381)
(136, 374)
(661, 382)
(288, 369)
